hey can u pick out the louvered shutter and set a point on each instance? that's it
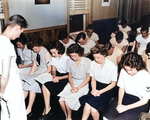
(77, 7)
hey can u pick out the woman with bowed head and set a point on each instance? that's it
(78, 68)
(134, 92)
(103, 74)
(59, 74)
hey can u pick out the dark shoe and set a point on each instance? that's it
(46, 116)
(41, 118)
(30, 114)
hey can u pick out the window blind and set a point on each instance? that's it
(77, 7)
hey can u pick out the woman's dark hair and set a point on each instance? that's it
(119, 36)
(132, 60)
(100, 48)
(22, 39)
(17, 20)
(62, 35)
(35, 41)
(75, 48)
(80, 35)
(58, 46)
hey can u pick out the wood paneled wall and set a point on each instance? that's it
(47, 34)
(100, 12)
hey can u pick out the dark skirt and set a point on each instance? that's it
(56, 88)
(132, 114)
(100, 102)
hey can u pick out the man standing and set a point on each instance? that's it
(11, 93)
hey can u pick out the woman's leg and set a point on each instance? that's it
(94, 113)
(31, 101)
(63, 106)
(69, 111)
(46, 95)
(25, 94)
(86, 111)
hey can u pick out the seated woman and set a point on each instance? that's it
(85, 43)
(133, 90)
(119, 41)
(25, 55)
(64, 39)
(103, 73)
(60, 76)
(41, 64)
(78, 69)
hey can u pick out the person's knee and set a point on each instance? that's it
(87, 105)
(94, 112)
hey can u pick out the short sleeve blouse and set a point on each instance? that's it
(60, 64)
(79, 73)
(135, 85)
(106, 74)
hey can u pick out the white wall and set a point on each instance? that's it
(40, 16)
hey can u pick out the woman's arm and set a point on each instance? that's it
(33, 69)
(6, 62)
(62, 77)
(48, 69)
(70, 80)
(57, 78)
(94, 91)
(109, 87)
(123, 108)
(84, 82)
(24, 66)
(120, 96)
(93, 84)
(53, 71)
(47, 60)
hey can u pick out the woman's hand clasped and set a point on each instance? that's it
(96, 93)
(121, 108)
(74, 90)
(55, 79)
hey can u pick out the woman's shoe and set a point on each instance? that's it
(29, 114)
(41, 118)
(46, 116)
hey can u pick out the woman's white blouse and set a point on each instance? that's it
(78, 73)
(106, 74)
(137, 85)
(26, 55)
(60, 64)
